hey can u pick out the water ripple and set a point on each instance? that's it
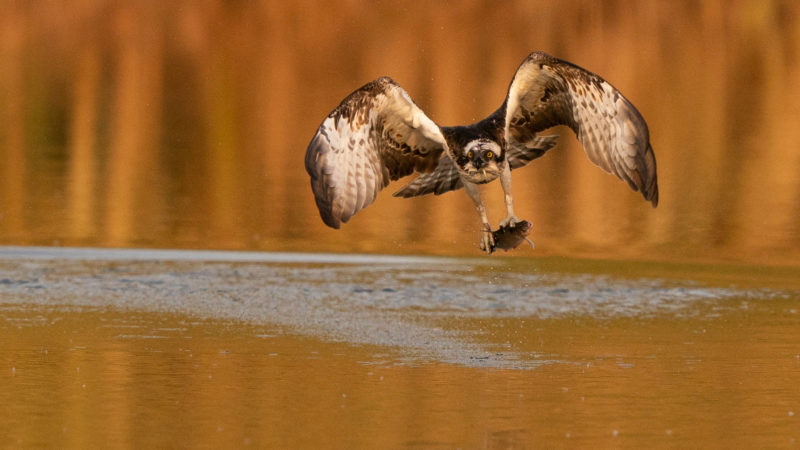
(384, 300)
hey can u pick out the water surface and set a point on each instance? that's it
(155, 348)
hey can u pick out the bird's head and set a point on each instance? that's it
(480, 161)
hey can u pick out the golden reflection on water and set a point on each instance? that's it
(87, 378)
(184, 124)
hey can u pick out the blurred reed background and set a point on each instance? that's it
(184, 123)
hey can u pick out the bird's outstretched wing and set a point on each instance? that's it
(377, 134)
(547, 91)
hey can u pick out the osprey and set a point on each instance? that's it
(377, 134)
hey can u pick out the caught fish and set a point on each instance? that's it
(511, 236)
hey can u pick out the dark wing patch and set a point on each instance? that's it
(520, 155)
(547, 91)
(443, 179)
(377, 134)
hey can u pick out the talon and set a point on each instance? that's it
(487, 240)
(509, 221)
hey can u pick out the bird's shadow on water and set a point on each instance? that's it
(416, 306)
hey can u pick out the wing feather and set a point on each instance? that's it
(520, 155)
(443, 179)
(547, 91)
(377, 134)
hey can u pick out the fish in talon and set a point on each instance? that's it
(509, 237)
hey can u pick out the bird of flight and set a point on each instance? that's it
(377, 134)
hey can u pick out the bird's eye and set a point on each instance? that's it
(469, 154)
(489, 155)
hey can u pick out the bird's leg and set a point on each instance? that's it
(505, 182)
(487, 240)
